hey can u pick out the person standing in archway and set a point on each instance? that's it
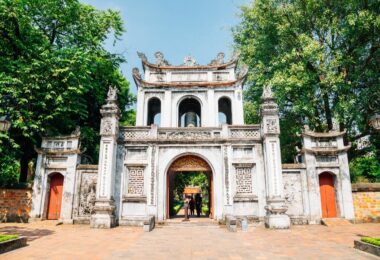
(186, 207)
(192, 205)
(198, 204)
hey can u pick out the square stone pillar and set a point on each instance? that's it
(104, 210)
(270, 129)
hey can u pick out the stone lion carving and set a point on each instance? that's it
(160, 60)
(267, 92)
(218, 60)
(112, 93)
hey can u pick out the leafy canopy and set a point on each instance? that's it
(322, 59)
(55, 71)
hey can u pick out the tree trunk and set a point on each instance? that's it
(23, 169)
(328, 111)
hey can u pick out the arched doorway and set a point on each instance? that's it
(190, 165)
(327, 192)
(55, 196)
(154, 111)
(224, 111)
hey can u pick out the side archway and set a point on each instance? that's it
(55, 196)
(327, 194)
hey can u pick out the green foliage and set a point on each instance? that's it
(322, 59)
(54, 67)
(365, 168)
(190, 179)
(4, 238)
(10, 170)
(371, 240)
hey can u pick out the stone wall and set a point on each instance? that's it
(366, 197)
(15, 205)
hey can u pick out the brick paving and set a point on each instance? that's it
(181, 241)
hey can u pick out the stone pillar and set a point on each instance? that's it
(104, 216)
(270, 129)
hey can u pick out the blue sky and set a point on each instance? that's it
(200, 28)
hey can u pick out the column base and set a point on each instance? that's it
(275, 221)
(103, 216)
(276, 217)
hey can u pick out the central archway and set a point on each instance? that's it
(189, 164)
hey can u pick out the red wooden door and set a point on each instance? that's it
(55, 199)
(326, 186)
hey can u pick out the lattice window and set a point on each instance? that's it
(244, 180)
(136, 180)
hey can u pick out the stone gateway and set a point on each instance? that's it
(189, 117)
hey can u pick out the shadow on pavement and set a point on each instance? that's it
(31, 234)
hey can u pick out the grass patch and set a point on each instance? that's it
(371, 240)
(4, 238)
(177, 207)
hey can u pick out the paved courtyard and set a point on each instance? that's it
(48, 241)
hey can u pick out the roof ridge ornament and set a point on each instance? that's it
(218, 60)
(160, 60)
(189, 61)
(142, 56)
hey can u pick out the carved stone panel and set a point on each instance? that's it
(87, 194)
(272, 125)
(106, 127)
(136, 180)
(293, 193)
(244, 180)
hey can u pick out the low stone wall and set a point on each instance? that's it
(366, 197)
(15, 205)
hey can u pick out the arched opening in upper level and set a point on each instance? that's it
(154, 111)
(189, 113)
(224, 111)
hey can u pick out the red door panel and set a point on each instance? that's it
(55, 197)
(326, 186)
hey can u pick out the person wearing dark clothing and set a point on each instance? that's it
(192, 205)
(198, 204)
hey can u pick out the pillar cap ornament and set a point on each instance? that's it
(268, 105)
(111, 107)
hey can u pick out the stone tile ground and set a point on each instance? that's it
(48, 241)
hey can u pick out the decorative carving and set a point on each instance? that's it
(244, 133)
(190, 163)
(160, 60)
(87, 194)
(152, 177)
(235, 56)
(104, 169)
(136, 180)
(106, 128)
(218, 60)
(142, 56)
(136, 73)
(226, 175)
(243, 71)
(293, 193)
(272, 126)
(136, 134)
(244, 180)
(112, 93)
(267, 92)
(187, 135)
(326, 158)
(189, 61)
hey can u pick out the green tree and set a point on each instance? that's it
(56, 71)
(322, 59)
